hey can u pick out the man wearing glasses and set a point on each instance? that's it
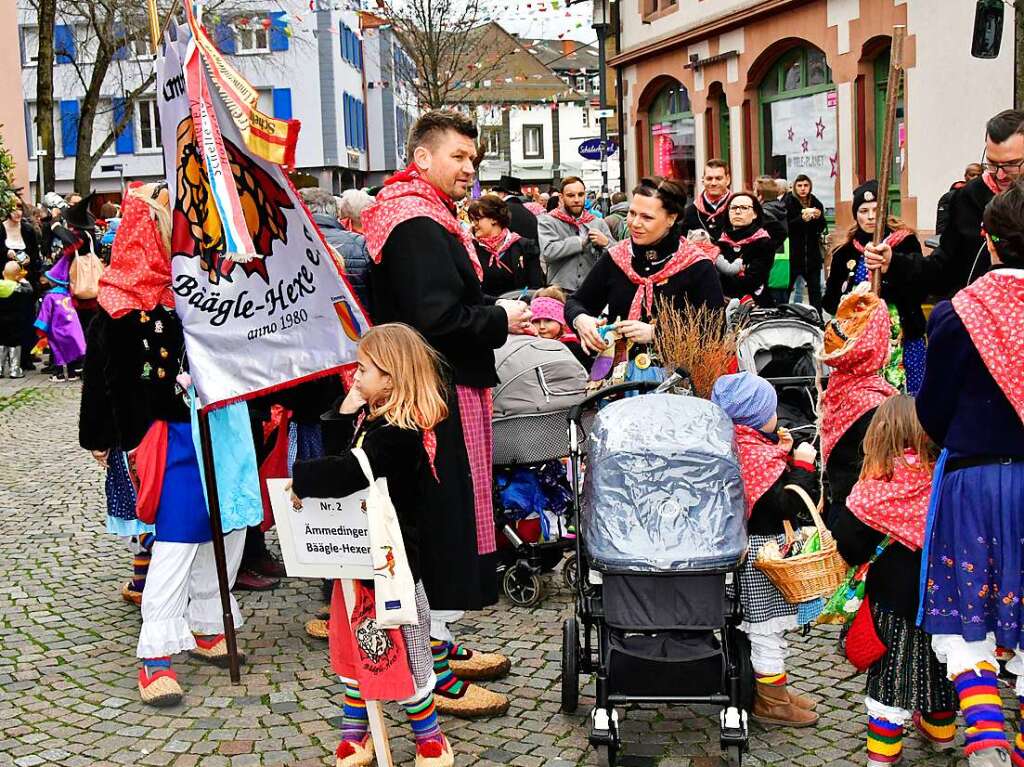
(962, 257)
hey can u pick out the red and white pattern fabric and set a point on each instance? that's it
(760, 234)
(497, 245)
(139, 275)
(585, 218)
(535, 208)
(856, 385)
(762, 462)
(407, 195)
(892, 240)
(476, 411)
(992, 311)
(896, 506)
(686, 256)
(707, 209)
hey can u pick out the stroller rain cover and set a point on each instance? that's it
(663, 491)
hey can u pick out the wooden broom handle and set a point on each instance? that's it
(892, 93)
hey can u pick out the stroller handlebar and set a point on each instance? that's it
(642, 387)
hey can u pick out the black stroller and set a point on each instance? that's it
(661, 523)
(538, 381)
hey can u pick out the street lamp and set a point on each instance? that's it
(116, 166)
(600, 24)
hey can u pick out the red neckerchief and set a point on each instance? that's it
(897, 506)
(139, 275)
(535, 208)
(855, 385)
(990, 182)
(429, 441)
(407, 195)
(706, 207)
(760, 234)
(992, 310)
(585, 217)
(686, 256)
(761, 462)
(892, 240)
(497, 245)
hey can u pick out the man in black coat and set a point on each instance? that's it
(524, 223)
(962, 257)
(426, 274)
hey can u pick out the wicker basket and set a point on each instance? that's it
(807, 576)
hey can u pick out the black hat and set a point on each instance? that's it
(79, 216)
(866, 192)
(509, 185)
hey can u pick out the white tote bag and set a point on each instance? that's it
(394, 589)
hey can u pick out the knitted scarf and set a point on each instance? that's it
(405, 196)
(892, 239)
(585, 217)
(497, 245)
(762, 462)
(992, 310)
(760, 234)
(896, 506)
(685, 256)
(706, 208)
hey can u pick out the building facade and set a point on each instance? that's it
(783, 87)
(12, 107)
(306, 64)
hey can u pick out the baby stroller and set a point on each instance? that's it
(782, 344)
(662, 524)
(539, 380)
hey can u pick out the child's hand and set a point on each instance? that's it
(785, 439)
(296, 501)
(805, 453)
(352, 402)
(100, 456)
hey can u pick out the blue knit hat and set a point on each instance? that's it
(748, 399)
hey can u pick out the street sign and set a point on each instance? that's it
(115, 167)
(605, 113)
(591, 148)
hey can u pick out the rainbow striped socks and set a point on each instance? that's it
(355, 722)
(773, 680)
(423, 718)
(937, 726)
(1018, 743)
(140, 563)
(885, 741)
(447, 684)
(982, 709)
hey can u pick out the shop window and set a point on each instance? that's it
(673, 136)
(654, 9)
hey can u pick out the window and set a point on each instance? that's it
(351, 46)
(492, 141)
(265, 100)
(586, 116)
(655, 9)
(355, 123)
(30, 44)
(103, 126)
(533, 142)
(673, 137)
(251, 37)
(33, 130)
(582, 83)
(147, 118)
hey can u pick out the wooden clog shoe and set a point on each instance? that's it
(477, 666)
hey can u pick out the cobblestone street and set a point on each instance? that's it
(68, 673)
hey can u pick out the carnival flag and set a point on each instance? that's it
(253, 326)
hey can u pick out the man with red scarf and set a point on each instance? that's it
(426, 273)
(710, 210)
(571, 238)
(962, 257)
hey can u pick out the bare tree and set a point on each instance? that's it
(442, 38)
(47, 10)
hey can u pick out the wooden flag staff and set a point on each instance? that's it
(206, 444)
(892, 94)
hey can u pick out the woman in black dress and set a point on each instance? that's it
(510, 262)
(655, 261)
(805, 215)
(747, 252)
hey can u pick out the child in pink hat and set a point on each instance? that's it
(548, 310)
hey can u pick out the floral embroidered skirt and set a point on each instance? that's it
(975, 557)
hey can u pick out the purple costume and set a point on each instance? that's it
(57, 317)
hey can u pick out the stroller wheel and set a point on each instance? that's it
(607, 754)
(570, 666)
(571, 572)
(522, 585)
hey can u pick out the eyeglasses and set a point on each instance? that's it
(741, 207)
(1008, 168)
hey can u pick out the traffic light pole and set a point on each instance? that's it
(601, 27)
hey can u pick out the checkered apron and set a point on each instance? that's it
(475, 410)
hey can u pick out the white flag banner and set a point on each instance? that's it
(255, 326)
(804, 130)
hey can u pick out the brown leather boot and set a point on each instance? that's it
(772, 706)
(800, 701)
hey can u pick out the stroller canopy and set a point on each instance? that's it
(779, 347)
(663, 491)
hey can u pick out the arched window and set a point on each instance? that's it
(673, 136)
(798, 121)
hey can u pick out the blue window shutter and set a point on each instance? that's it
(224, 37)
(344, 42)
(357, 48)
(344, 101)
(122, 49)
(125, 142)
(69, 127)
(278, 38)
(283, 103)
(63, 44)
(362, 125)
(349, 125)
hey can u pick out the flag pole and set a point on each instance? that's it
(206, 447)
(892, 94)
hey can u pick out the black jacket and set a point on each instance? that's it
(129, 378)
(352, 247)
(713, 224)
(778, 504)
(395, 454)
(892, 581)
(961, 257)
(906, 296)
(607, 285)
(519, 268)
(844, 465)
(524, 223)
(775, 222)
(16, 316)
(804, 236)
(425, 279)
(758, 258)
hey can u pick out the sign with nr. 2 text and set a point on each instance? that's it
(326, 538)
